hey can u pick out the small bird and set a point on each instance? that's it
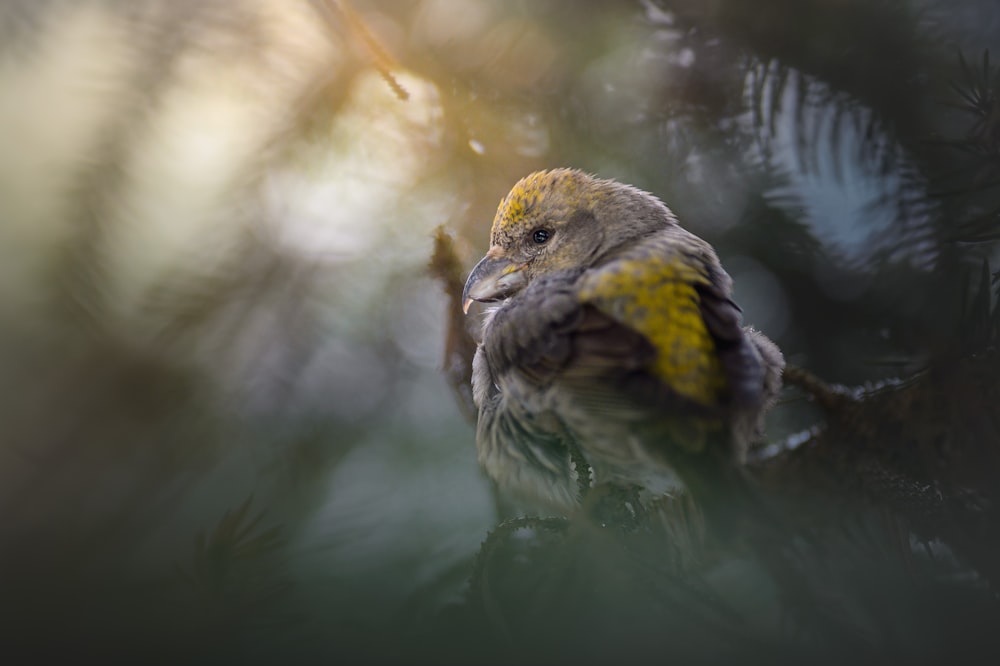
(614, 335)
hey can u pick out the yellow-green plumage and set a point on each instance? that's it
(571, 192)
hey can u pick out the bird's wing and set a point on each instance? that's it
(652, 333)
(539, 347)
(547, 329)
(654, 328)
(672, 291)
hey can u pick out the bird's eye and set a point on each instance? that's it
(541, 236)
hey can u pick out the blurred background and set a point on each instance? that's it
(224, 429)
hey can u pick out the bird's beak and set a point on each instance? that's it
(492, 279)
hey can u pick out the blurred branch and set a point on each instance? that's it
(972, 188)
(341, 16)
(460, 346)
(235, 567)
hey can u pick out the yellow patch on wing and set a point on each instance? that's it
(657, 298)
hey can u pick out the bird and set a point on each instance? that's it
(610, 333)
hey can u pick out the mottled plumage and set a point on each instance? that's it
(615, 333)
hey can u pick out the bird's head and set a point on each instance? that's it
(555, 220)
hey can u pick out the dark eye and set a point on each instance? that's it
(541, 236)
